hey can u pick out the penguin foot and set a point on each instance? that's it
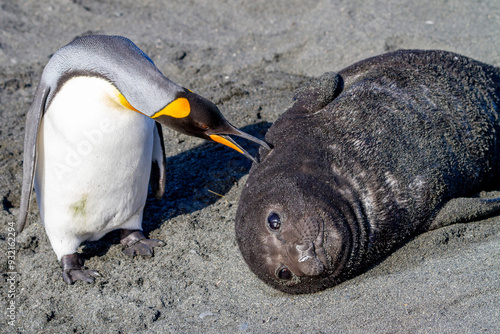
(134, 242)
(74, 270)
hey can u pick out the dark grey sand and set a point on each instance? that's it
(247, 57)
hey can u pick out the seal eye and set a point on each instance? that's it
(274, 221)
(285, 274)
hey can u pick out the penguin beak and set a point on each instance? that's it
(226, 140)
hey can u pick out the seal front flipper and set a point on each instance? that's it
(134, 242)
(74, 270)
(464, 210)
(158, 167)
(318, 92)
(33, 119)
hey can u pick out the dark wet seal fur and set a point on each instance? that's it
(388, 148)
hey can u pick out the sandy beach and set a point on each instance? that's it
(247, 57)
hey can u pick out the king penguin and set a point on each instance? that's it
(93, 142)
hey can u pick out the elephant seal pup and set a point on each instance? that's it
(388, 148)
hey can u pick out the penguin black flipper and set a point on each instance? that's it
(158, 168)
(318, 92)
(33, 119)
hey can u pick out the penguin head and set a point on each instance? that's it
(141, 87)
(193, 115)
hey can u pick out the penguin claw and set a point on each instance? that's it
(134, 242)
(70, 276)
(73, 270)
(143, 247)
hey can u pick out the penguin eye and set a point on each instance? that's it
(285, 274)
(204, 126)
(274, 221)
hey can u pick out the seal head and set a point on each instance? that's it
(307, 232)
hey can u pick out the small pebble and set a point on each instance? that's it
(205, 314)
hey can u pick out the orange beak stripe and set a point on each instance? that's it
(226, 142)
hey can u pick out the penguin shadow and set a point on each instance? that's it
(196, 178)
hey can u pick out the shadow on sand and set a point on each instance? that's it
(196, 179)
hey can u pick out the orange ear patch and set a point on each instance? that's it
(178, 108)
(125, 103)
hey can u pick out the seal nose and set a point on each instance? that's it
(309, 263)
(306, 251)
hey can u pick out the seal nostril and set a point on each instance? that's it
(274, 221)
(285, 274)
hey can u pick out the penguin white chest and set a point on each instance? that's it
(93, 165)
